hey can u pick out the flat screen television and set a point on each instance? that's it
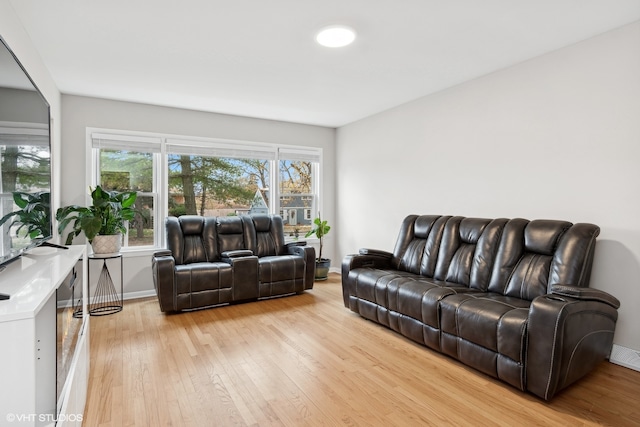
(25, 160)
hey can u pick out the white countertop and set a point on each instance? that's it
(33, 278)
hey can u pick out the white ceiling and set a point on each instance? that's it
(258, 58)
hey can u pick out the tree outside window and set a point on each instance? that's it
(217, 186)
(122, 170)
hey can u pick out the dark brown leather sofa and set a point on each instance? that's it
(508, 297)
(218, 260)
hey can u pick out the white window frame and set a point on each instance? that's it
(214, 147)
(137, 143)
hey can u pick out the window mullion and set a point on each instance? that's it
(274, 184)
(161, 180)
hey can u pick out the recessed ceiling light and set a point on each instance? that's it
(336, 36)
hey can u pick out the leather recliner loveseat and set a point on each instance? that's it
(218, 260)
(508, 297)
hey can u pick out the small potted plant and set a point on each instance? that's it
(320, 229)
(34, 213)
(103, 223)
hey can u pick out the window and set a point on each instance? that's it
(298, 188)
(218, 179)
(126, 163)
(207, 177)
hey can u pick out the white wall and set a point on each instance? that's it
(554, 137)
(20, 43)
(82, 112)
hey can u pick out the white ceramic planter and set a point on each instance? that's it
(109, 244)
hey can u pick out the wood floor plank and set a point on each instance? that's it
(306, 360)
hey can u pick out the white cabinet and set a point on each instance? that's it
(30, 341)
(75, 390)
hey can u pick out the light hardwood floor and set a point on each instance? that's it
(307, 360)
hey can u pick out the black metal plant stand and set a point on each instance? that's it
(106, 299)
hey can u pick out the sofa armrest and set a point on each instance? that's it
(163, 267)
(245, 274)
(585, 294)
(371, 258)
(239, 253)
(296, 243)
(308, 253)
(375, 252)
(567, 337)
(365, 258)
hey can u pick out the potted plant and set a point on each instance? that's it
(103, 223)
(320, 229)
(34, 213)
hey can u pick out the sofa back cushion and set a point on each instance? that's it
(234, 233)
(573, 258)
(269, 235)
(468, 251)
(191, 238)
(416, 249)
(534, 255)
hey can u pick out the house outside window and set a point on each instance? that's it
(298, 172)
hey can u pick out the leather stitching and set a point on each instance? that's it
(553, 350)
(575, 348)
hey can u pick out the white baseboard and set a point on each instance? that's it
(626, 357)
(335, 270)
(139, 294)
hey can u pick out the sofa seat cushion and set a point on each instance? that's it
(202, 284)
(280, 275)
(202, 276)
(418, 297)
(493, 321)
(279, 268)
(405, 293)
(364, 281)
(370, 283)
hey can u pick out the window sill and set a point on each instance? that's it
(309, 240)
(138, 252)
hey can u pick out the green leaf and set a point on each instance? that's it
(107, 215)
